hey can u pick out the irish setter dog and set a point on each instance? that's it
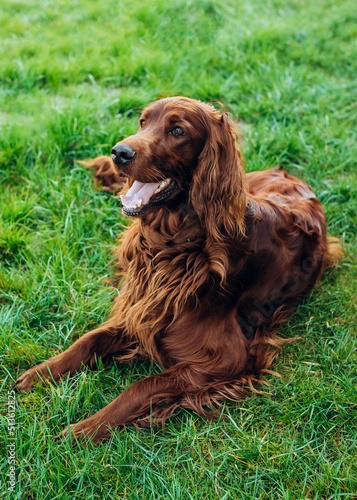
(214, 260)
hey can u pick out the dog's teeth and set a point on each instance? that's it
(162, 185)
(140, 202)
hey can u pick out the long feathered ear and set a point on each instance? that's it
(218, 190)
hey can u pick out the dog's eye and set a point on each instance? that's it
(178, 132)
(142, 123)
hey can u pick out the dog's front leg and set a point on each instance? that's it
(157, 393)
(98, 343)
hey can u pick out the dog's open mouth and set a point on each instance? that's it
(143, 195)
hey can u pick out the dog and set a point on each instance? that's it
(213, 262)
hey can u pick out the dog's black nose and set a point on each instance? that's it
(123, 153)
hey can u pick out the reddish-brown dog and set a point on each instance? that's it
(213, 262)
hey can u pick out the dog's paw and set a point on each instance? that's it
(86, 431)
(30, 378)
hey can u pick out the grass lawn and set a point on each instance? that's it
(73, 76)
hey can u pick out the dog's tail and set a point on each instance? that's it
(106, 175)
(334, 252)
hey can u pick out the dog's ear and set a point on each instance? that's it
(106, 174)
(218, 189)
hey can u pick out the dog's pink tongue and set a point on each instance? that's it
(139, 191)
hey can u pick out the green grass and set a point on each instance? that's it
(73, 77)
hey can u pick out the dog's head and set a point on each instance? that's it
(182, 148)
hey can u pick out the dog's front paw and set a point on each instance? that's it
(33, 376)
(88, 430)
